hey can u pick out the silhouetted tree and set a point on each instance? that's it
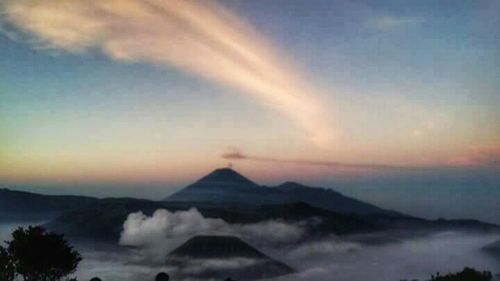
(162, 276)
(468, 274)
(41, 256)
(7, 271)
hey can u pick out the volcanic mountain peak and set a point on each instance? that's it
(228, 186)
(230, 256)
(225, 175)
(216, 246)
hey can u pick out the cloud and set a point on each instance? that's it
(321, 249)
(411, 258)
(482, 156)
(423, 129)
(155, 236)
(193, 267)
(341, 257)
(393, 23)
(235, 154)
(475, 157)
(272, 231)
(198, 37)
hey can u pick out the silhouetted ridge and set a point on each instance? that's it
(291, 185)
(228, 186)
(225, 175)
(21, 205)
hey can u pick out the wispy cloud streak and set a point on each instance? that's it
(237, 155)
(391, 23)
(199, 37)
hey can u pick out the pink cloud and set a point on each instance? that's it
(477, 156)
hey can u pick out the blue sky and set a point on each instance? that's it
(87, 100)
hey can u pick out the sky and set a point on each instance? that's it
(107, 98)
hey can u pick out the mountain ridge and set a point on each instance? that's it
(227, 185)
(23, 205)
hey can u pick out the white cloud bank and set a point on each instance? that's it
(160, 233)
(199, 37)
(330, 258)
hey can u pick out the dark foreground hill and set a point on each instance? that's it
(219, 257)
(228, 186)
(20, 205)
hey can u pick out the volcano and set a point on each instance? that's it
(225, 186)
(228, 186)
(219, 257)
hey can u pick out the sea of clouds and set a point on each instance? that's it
(146, 240)
(155, 236)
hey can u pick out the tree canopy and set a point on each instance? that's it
(37, 255)
(7, 270)
(468, 274)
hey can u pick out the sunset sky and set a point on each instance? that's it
(132, 92)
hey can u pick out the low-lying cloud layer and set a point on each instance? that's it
(155, 236)
(319, 249)
(411, 258)
(395, 257)
(199, 37)
(332, 258)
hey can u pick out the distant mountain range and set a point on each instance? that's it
(221, 186)
(235, 258)
(222, 194)
(228, 186)
(20, 205)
